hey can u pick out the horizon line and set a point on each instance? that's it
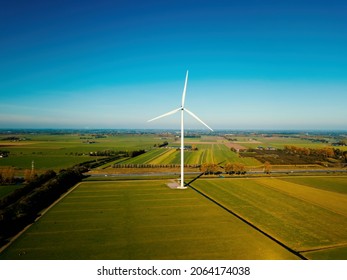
(174, 129)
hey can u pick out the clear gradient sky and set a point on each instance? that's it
(115, 64)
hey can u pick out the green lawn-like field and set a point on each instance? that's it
(308, 219)
(223, 153)
(333, 184)
(140, 220)
(278, 142)
(43, 162)
(147, 220)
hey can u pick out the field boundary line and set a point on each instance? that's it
(40, 214)
(298, 254)
(324, 248)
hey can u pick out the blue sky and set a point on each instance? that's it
(114, 64)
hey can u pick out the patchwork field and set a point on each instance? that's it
(140, 220)
(205, 153)
(58, 151)
(147, 220)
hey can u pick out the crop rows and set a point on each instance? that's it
(167, 157)
(146, 157)
(206, 153)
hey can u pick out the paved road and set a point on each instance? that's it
(294, 171)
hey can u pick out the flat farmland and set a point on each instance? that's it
(279, 142)
(299, 212)
(147, 157)
(205, 153)
(140, 220)
(333, 184)
(223, 153)
(62, 151)
(43, 162)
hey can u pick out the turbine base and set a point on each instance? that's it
(173, 184)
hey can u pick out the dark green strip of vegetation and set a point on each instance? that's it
(23, 206)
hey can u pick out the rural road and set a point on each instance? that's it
(294, 171)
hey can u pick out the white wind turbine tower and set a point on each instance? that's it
(182, 109)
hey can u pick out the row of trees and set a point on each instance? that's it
(23, 205)
(107, 153)
(210, 168)
(235, 168)
(111, 153)
(229, 168)
(323, 152)
(7, 176)
(145, 165)
(326, 152)
(165, 143)
(207, 168)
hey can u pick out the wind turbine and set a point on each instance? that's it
(182, 109)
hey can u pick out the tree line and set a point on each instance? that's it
(23, 205)
(207, 168)
(111, 153)
(7, 176)
(164, 144)
(229, 168)
(326, 152)
(146, 165)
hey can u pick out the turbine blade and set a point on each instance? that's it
(197, 118)
(166, 114)
(184, 90)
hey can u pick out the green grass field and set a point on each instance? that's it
(308, 219)
(333, 184)
(43, 162)
(145, 219)
(140, 220)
